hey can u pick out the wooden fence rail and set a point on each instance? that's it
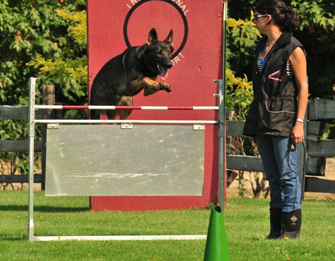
(18, 113)
(318, 150)
(318, 111)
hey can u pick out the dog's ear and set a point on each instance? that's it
(152, 38)
(169, 38)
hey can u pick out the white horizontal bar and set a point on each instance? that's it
(120, 238)
(154, 107)
(205, 108)
(127, 121)
(109, 107)
(49, 107)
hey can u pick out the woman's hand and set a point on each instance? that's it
(297, 134)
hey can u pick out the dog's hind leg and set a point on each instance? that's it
(114, 101)
(111, 114)
(94, 115)
(125, 101)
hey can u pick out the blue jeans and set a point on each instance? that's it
(280, 167)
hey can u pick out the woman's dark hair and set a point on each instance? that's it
(283, 16)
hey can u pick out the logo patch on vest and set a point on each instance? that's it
(276, 76)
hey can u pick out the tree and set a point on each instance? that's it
(30, 29)
(317, 35)
(67, 70)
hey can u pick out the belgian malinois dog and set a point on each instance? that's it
(127, 74)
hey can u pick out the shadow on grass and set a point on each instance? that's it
(6, 238)
(44, 208)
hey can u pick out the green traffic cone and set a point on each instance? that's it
(216, 244)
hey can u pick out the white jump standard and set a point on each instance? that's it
(32, 121)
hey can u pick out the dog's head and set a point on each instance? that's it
(159, 53)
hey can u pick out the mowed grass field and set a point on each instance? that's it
(246, 224)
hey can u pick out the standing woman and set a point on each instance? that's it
(276, 115)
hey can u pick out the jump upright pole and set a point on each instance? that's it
(32, 86)
(222, 113)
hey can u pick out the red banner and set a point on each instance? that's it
(115, 25)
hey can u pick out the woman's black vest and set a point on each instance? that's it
(273, 110)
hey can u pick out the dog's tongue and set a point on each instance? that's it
(163, 74)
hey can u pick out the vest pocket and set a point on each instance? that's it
(280, 115)
(281, 104)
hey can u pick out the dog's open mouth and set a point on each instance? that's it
(163, 72)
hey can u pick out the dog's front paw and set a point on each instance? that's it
(165, 86)
(153, 85)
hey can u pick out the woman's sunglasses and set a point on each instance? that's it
(259, 16)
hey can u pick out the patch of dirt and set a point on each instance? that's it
(19, 186)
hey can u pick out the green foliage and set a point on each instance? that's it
(242, 187)
(70, 74)
(315, 15)
(329, 132)
(78, 27)
(28, 27)
(239, 95)
(317, 35)
(242, 36)
(67, 68)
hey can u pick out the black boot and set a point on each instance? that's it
(276, 223)
(292, 224)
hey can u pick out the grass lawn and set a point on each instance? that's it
(246, 225)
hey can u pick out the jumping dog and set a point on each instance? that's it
(127, 74)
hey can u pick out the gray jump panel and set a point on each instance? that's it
(105, 160)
